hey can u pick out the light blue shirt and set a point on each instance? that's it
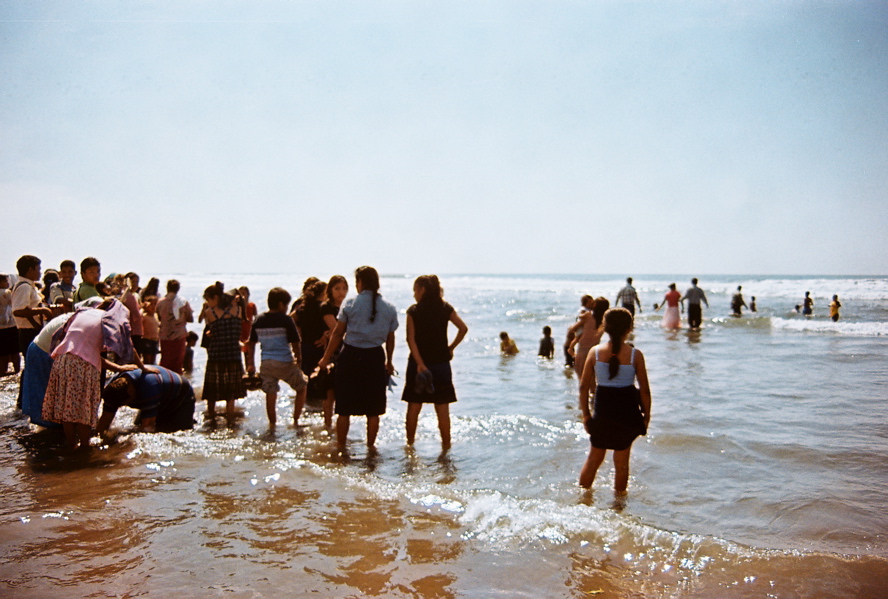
(625, 375)
(362, 333)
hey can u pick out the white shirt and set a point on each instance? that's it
(25, 295)
(6, 319)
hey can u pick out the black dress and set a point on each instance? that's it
(430, 321)
(311, 325)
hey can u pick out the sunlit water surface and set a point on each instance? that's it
(764, 474)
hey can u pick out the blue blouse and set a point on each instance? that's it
(362, 333)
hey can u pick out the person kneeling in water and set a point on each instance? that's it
(165, 400)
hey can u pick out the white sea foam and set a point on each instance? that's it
(851, 329)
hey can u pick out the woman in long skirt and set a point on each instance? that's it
(364, 324)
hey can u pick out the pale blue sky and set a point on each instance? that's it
(563, 137)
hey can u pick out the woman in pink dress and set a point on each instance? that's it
(74, 390)
(672, 318)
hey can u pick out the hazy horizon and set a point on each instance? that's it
(492, 137)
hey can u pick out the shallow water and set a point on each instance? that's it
(764, 473)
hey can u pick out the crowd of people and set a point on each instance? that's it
(326, 347)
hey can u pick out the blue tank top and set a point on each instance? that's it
(625, 376)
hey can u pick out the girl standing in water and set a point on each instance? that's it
(620, 411)
(337, 289)
(311, 327)
(223, 380)
(365, 322)
(430, 355)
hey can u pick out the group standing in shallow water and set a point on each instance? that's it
(328, 347)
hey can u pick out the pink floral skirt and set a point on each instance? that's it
(74, 391)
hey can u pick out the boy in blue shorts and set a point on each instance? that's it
(276, 332)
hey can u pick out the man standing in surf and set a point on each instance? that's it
(628, 297)
(694, 295)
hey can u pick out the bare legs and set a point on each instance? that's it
(271, 407)
(344, 422)
(621, 467)
(76, 435)
(299, 404)
(443, 413)
(590, 468)
(329, 403)
(413, 410)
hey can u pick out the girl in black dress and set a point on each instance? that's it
(337, 289)
(429, 378)
(620, 411)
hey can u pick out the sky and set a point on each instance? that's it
(702, 137)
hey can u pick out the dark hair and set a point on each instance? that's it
(308, 283)
(191, 336)
(4, 277)
(217, 290)
(67, 263)
(50, 278)
(151, 288)
(276, 295)
(432, 286)
(694, 281)
(172, 286)
(617, 322)
(317, 288)
(672, 286)
(547, 330)
(504, 335)
(117, 391)
(369, 279)
(598, 309)
(26, 263)
(629, 280)
(334, 280)
(88, 262)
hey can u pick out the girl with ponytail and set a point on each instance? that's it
(429, 376)
(364, 324)
(620, 411)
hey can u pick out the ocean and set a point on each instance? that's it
(764, 472)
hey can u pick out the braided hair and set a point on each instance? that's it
(369, 279)
(617, 322)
